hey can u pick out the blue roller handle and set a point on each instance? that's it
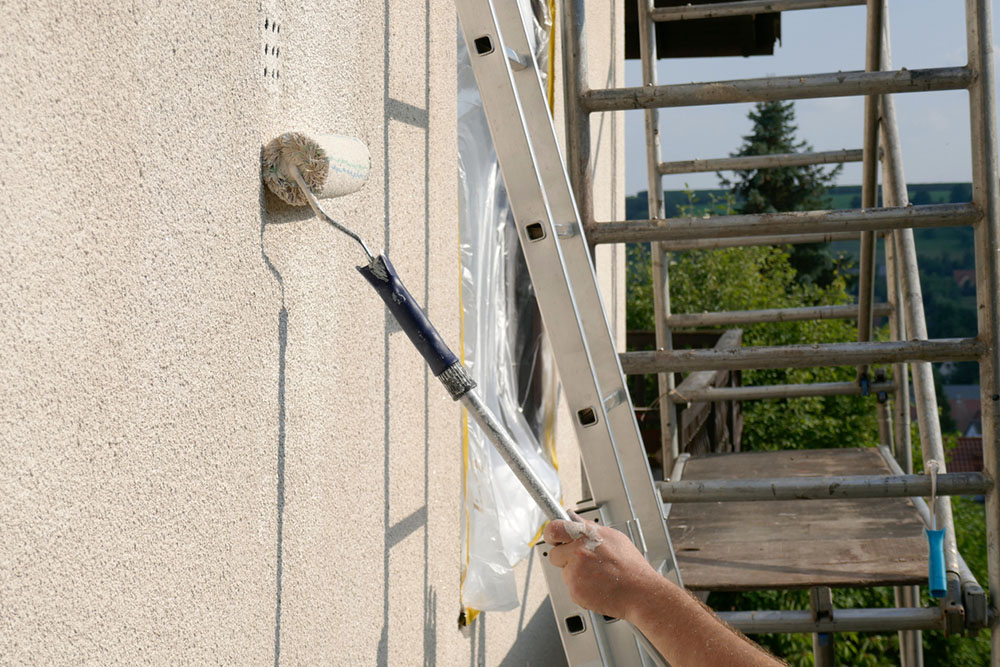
(383, 277)
(936, 580)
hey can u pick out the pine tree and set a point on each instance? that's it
(782, 189)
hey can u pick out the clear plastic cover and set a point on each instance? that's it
(504, 349)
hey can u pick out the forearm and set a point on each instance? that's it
(687, 633)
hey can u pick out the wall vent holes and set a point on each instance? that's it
(272, 48)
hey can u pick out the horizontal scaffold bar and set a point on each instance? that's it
(795, 222)
(745, 8)
(820, 488)
(722, 318)
(777, 391)
(801, 356)
(808, 86)
(747, 162)
(843, 620)
(744, 241)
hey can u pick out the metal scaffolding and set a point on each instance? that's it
(909, 352)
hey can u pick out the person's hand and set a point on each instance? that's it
(603, 570)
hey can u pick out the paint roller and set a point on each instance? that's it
(300, 169)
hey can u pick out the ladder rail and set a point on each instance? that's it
(986, 193)
(874, 62)
(669, 431)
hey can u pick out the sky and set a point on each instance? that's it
(934, 127)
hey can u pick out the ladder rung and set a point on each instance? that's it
(833, 84)
(708, 394)
(748, 7)
(760, 161)
(801, 356)
(761, 224)
(742, 241)
(889, 619)
(821, 488)
(722, 318)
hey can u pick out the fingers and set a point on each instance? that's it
(555, 533)
(560, 555)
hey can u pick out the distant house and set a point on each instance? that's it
(964, 400)
(967, 456)
(964, 277)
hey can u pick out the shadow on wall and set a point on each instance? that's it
(537, 642)
(280, 453)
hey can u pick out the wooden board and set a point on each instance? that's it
(797, 543)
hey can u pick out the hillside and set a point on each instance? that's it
(943, 255)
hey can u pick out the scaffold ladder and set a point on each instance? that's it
(964, 607)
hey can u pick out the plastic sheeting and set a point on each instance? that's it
(505, 350)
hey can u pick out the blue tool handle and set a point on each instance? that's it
(383, 277)
(936, 580)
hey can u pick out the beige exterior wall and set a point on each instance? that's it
(216, 447)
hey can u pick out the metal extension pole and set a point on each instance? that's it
(669, 444)
(869, 179)
(929, 425)
(986, 194)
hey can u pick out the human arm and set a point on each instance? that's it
(604, 572)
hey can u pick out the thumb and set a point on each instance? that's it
(555, 533)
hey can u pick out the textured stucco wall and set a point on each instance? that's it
(216, 447)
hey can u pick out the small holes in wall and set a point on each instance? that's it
(272, 48)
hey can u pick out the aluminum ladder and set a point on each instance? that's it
(559, 263)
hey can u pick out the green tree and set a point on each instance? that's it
(780, 189)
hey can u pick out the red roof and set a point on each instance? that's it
(967, 456)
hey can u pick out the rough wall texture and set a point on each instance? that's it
(217, 447)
